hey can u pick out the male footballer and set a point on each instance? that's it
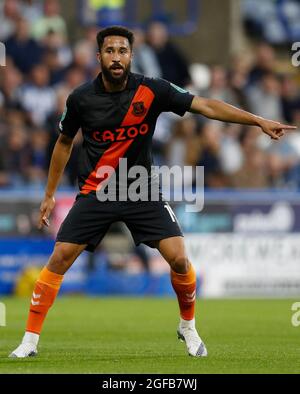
(117, 113)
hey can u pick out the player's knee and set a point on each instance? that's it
(61, 259)
(180, 264)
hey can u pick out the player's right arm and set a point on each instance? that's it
(179, 101)
(59, 160)
(69, 125)
(219, 110)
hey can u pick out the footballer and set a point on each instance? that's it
(117, 113)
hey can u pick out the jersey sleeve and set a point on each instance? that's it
(172, 98)
(70, 120)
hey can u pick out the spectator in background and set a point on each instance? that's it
(173, 65)
(4, 175)
(11, 80)
(144, 61)
(52, 128)
(284, 162)
(14, 118)
(90, 43)
(51, 20)
(31, 10)
(84, 59)
(219, 88)
(36, 97)
(57, 42)
(16, 156)
(276, 171)
(222, 161)
(231, 156)
(238, 79)
(265, 63)
(23, 50)
(40, 75)
(1, 103)
(9, 14)
(183, 142)
(209, 156)
(38, 157)
(264, 97)
(74, 77)
(290, 98)
(161, 138)
(56, 70)
(90, 36)
(253, 172)
(52, 121)
(184, 145)
(296, 117)
(11, 156)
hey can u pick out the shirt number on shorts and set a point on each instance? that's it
(171, 213)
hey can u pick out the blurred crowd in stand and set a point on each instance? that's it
(44, 65)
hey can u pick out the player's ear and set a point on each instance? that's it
(98, 57)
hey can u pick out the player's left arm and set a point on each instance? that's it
(219, 110)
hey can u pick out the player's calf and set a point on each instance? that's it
(45, 291)
(63, 257)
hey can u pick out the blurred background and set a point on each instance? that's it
(246, 241)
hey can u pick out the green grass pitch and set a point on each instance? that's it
(129, 335)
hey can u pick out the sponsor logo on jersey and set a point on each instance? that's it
(120, 134)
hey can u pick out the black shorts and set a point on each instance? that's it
(89, 220)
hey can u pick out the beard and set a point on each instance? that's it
(115, 80)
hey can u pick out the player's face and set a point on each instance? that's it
(115, 59)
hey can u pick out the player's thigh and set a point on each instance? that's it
(87, 222)
(63, 256)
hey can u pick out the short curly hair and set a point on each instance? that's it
(114, 31)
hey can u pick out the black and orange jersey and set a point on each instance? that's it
(120, 124)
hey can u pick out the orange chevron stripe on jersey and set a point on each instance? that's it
(110, 158)
(117, 150)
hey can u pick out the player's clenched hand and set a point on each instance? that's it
(275, 130)
(46, 208)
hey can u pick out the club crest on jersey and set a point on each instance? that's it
(139, 108)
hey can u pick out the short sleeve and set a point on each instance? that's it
(70, 120)
(172, 98)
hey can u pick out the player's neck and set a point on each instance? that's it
(111, 88)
